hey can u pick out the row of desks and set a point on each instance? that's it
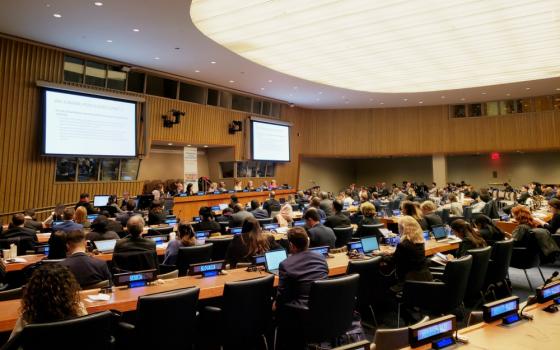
(124, 299)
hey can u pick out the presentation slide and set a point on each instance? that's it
(88, 125)
(270, 141)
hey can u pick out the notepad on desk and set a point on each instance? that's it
(99, 297)
(440, 258)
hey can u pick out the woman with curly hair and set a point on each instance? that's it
(52, 294)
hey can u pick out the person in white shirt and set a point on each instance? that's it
(478, 203)
(455, 208)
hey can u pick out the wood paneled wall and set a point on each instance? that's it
(27, 179)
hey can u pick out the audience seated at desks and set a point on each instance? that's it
(488, 230)
(84, 202)
(86, 269)
(529, 231)
(455, 208)
(56, 215)
(233, 201)
(429, 212)
(80, 217)
(127, 212)
(285, 216)
(315, 204)
(68, 223)
(57, 245)
(257, 211)
(326, 203)
(156, 215)
(271, 204)
(207, 222)
(319, 235)
(553, 226)
(99, 230)
(470, 238)
(226, 215)
(252, 241)
(185, 238)
(52, 294)
(134, 241)
(28, 237)
(411, 209)
(368, 217)
(239, 216)
(31, 222)
(338, 219)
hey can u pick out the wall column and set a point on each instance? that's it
(439, 169)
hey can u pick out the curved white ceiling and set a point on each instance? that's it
(391, 46)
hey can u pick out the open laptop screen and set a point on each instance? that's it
(369, 244)
(105, 245)
(439, 232)
(273, 258)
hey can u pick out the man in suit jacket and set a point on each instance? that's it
(272, 204)
(319, 235)
(85, 268)
(299, 270)
(30, 221)
(84, 202)
(429, 210)
(257, 211)
(28, 237)
(68, 225)
(326, 204)
(207, 223)
(134, 241)
(338, 219)
(239, 216)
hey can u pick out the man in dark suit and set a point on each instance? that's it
(326, 204)
(272, 204)
(207, 223)
(68, 225)
(30, 221)
(257, 211)
(338, 219)
(27, 237)
(134, 253)
(239, 216)
(84, 202)
(319, 235)
(429, 210)
(85, 268)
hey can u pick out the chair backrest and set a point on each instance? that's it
(173, 312)
(135, 261)
(156, 231)
(265, 221)
(393, 339)
(370, 288)
(247, 309)
(193, 255)
(220, 247)
(23, 244)
(371, 230)
(169, 275)
(456, 277)
(453, 218)
(11, 294)
(467, 212)
(445, 214)
(499, 263)
(68, 333)
(328, 319)
(343, 235)
(477, 276)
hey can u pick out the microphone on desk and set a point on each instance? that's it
(551, 278)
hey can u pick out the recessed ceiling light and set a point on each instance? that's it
(320, 92)
(508, 94)
(205, 146)
(527, 88)
(270, 80)
(381, 103)
(170, 144)
(262, 88)
(557, 89)
(420, 102)
(484, 93)
(442, 96)
(57, 15)
(156, 58)
(98, 3)
(405, 99)
(197, 71)
(213, 62)
(136, 30)
(48, 5)
(462, 98)
(109, 41)
(232, 81)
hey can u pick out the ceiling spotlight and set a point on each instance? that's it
(262, 88)
(98, 3)
(292, 105)
(189, 145)
(557, 89)
(232, 81)
(213, 62)
(405, 99)
(197, 71)
(420, 102)
(270, 80)
(109, 41)
(381, 103)
(527, 88)
(462, 98)
(136, 30)
(170, 144)
(57, 15)
(320, 92)
(156, 58)
(508, 94)
(442, 96)
(484, 93)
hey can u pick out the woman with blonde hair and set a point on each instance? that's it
(410, 255)
(80, 217)
(368, 217)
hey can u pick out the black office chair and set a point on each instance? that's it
(10, 294)
(371, 230)
(481, 258)
(135, 261)
(223, 226)
(193, 255)
(439, 297)
(24, 244)
(467, 213)
(70, 334)
(220, 247)
(525, 258)
(265, 221)
(173, 313)
(445, 215)
(370, 287)
(157, 231)
(453, 218)
(323, 320)
(343, 236)
(244, 315)
(498, 268)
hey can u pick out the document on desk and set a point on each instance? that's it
(440, 258)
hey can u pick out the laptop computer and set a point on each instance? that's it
(105, 246)
(299, 223)
(324, 250)
(100, 201)
(159, 239)
(356, 245)
(440, 233)
(270, 227)
(235, 230)
(369, 244)
(259, 260)
(171, 222)
(92, 217)
(273, 258)
(223, 206)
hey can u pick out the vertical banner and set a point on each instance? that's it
(190, 167)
